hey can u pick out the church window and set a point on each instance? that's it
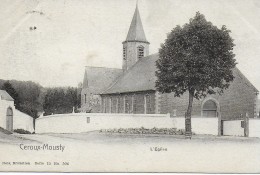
(140, 52)
(111, 105)
(124, 53)
(85, 97)
(134, 104)
(104, 104)
(121, 104)
(127, 104)
(148, 104)
(209, 109)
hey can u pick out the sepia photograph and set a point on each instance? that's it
(130, 86)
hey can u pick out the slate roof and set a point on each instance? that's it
(97, 79)
(237, 72)
(141, 77)
(5, 96)
(136, 31)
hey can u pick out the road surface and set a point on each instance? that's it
(98, 152)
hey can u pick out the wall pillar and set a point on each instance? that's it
(246, 125)
(219, 123)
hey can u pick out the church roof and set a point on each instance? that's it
(237, 72)
(136, 31)
(5, 96)
(97, 79)
(140, 77)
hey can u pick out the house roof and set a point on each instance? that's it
(141, 77)
(5, 96)
(136, 31)
(99, 78)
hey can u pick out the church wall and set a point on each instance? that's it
(178, 105)
(238, 99)
(132, 103)
(92, 102)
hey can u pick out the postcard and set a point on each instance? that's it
(130, 86)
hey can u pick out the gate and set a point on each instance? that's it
(236, 127)
(9, 119)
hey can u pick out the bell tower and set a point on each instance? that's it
(135, 46)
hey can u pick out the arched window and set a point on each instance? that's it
(148, 104)
(127, 104)
(209, 109)
(134, 104)
(140, 51)
(104, 104)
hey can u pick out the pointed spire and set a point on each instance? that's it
(136, 31)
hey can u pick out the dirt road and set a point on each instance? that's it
(96, 152)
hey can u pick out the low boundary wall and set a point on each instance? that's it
(254, 127)
(84, 122)
(199, 125)
(233, 128)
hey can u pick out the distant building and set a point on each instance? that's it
(11, 118)
(132, 88)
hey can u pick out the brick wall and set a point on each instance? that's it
(238, 99)
(129, 102)
(92, 102)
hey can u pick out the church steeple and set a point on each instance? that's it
(135, 46)
(136, 31)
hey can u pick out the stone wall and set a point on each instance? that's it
(131, 53)
(239, 98)
(133, 103)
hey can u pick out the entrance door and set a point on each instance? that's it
(9, 119)
(209, 109)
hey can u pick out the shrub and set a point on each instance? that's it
(22, 131)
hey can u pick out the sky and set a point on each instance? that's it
(51, 41)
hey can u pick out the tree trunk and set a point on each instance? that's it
(188, 132)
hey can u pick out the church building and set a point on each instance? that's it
(132, 88)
